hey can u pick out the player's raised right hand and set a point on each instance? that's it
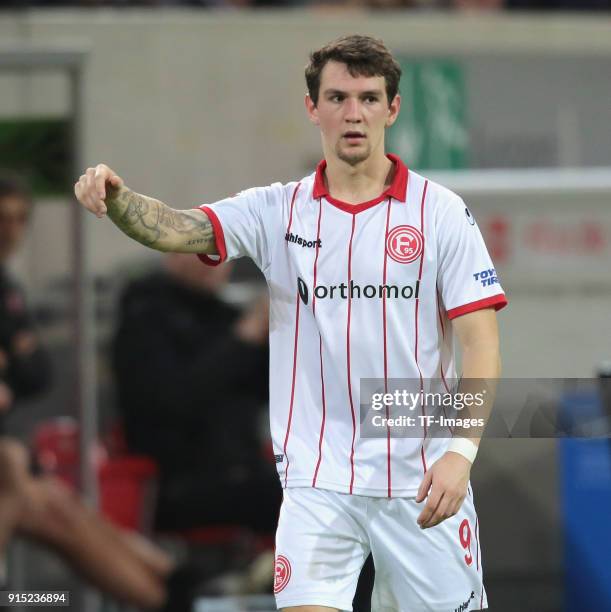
(95, 186)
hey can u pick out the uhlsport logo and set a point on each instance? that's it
(282, 573)
(302, 242)
(404, 244)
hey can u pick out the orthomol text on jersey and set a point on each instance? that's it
(353, 290)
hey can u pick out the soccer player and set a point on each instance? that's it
(372, 271)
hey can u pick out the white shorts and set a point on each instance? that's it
(324, 537)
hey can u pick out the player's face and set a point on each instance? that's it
(14, 212)
(352, 113)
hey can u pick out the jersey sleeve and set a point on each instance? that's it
(243, 225)
(466, 277)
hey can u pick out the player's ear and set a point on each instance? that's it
(311, 110)
(393, 110)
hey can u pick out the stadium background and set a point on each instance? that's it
(189, 106)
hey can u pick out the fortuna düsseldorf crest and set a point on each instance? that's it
(404, 244)
(282, 573)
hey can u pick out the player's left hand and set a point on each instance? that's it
(445, 482)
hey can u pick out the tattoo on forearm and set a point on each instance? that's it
(156, 225)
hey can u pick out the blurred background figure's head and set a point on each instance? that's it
(186, 269)
(15, 203)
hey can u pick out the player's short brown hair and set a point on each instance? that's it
(363, 55)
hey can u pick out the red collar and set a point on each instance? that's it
(397, 190)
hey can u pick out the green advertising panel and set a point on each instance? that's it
(431, 130)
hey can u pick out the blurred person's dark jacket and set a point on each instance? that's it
(26, 373)
(193, 397)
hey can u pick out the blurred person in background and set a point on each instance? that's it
(44, 510)
(192, 379)
(24, 365)
(41, 507)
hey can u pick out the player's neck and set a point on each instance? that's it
(360, 183)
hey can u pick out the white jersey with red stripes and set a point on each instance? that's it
(357, 291)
